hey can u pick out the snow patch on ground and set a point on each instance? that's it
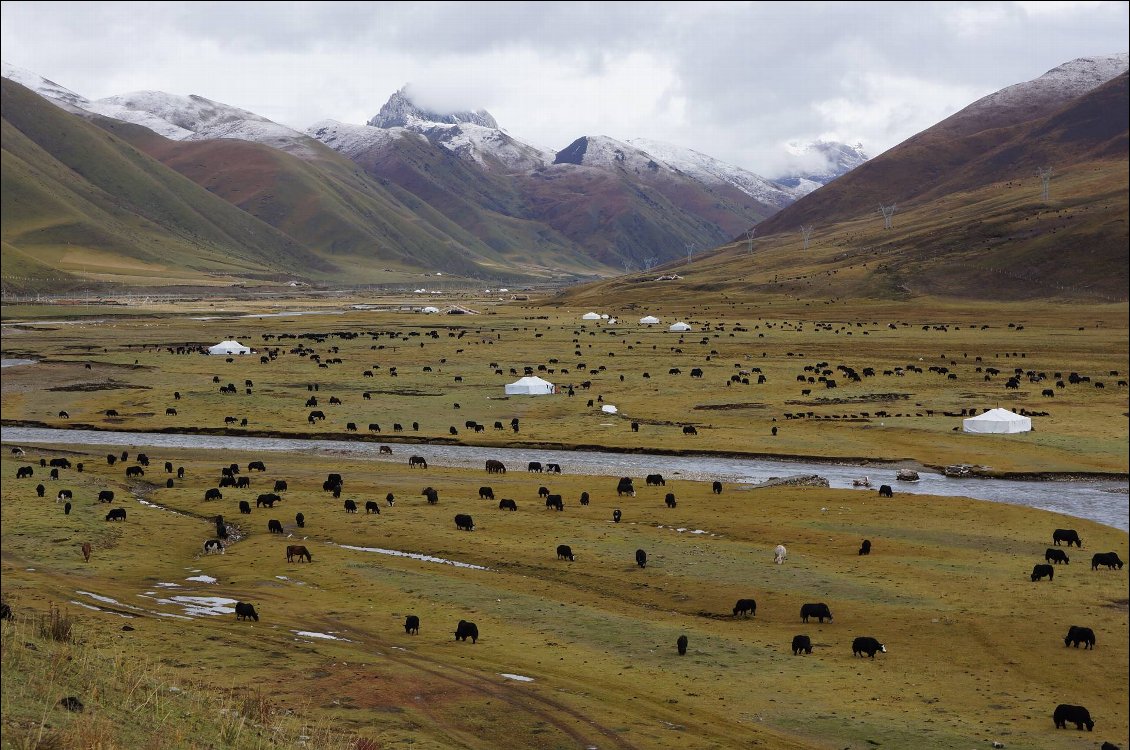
(414, 556)
(518, 677)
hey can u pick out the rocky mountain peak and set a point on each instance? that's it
(400, 111)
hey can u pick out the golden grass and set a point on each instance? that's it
(975, 648)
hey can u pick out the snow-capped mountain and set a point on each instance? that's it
(818, 163)
(1040, 96)
(707, 169)
(401, 112)
(178, 118)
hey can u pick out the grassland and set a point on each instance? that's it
(975, 652)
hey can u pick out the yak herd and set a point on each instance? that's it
(809, 375)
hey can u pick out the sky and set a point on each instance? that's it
(744, 82)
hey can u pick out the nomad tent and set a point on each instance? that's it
(997, 421)
(650, 320)
(590, 316)
(530, 386)
(225, 348)
(609, 409)
(430, 309)
(679, 327)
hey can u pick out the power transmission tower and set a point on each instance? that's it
(888, 212)
(649, 263)
(690, 252)
(749, 239)
(806, 233)
(1045, 174)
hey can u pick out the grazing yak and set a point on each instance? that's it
(117, 514)
(819, 611)
(465, 630)
(745, 608)
(584, 498)
(464, 522)
(213, 545)
(886, 491)
(24, 471)
(87, 549)
(300, 520)
(616, 515)
(690, 430)
(655, 480)
(681, 644)
(1077, 715)
(555, 502)
(244, 611)
(641, 558)
(412, 625)
(244, 507)
(256, 466)
(534, 466)
(40, 490)
(486, 493)
(268, 499)
(564, 552)
(299, 551)
(779, 553)
(495, 467)
(106, 496)
(1071, 536)
(670, 499)
(1041, 571)
(213, 494)
(350, 506)
(134, 471)
(372, 507)
(717, 487)
(865, 548)
(418, 461)
(867, 645)
(274, 526)
(280, 485)
(66, 509)
(624, 487)
(543, 491)
(1077, 635)
(431, 494)
(1109, 559)
(1056, 555)
(801, 644)
(507, 504)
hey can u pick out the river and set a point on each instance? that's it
(1104, 501)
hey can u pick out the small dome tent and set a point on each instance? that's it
(429, 309)
(997, 421)
(590, 316)
(679, 327)
(530, 386)
(649, 320)
(226, 348)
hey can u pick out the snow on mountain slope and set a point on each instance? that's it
(401, 112)
(1040, 96)
(709, 170)
(351, 140)
(48, 89)
(194, 118)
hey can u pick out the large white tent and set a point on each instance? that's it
(530, 386)
(590, 316)
(225, 348)
(679, 327)
(997, 421)
(649, 320)
(429, 309)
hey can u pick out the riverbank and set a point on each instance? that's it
(862, 462)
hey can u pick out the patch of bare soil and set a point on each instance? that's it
(727, 407)
(106, 385)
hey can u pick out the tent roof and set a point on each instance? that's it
(999, 415)
(649, 319)
(590, 316)
(679, 327)
(531, 380)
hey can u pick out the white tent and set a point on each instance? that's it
(530, 386)
(225, 348)
(590, 316)
(609, 409)
(997, 421)
(679, 327)
(430, 309)
(649, 320)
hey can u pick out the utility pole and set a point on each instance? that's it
(1045, 174)
(806, 233)
(888, 212)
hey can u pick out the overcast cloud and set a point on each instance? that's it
(737, 81)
